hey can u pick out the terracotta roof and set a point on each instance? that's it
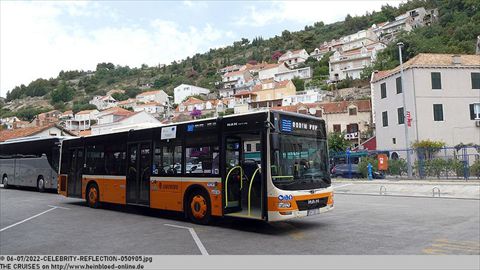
(234, 73)
(269, 66)
(192, 101)
(149, 93)
(85, 112)
(276, 85)
(331, 107)
(432, 60)
(244, 93)
(128, 101)
(149, 104)
(25, 132)
(342, 106)
(116, 111)
(87, 132)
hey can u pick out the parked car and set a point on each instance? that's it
(342, 170)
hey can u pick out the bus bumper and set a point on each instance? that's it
(274, 216)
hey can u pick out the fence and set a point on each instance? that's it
(439, 163)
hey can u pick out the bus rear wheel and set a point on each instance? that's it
(93, 196)
(41, 184)
(198, 207)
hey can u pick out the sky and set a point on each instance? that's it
(38, 39)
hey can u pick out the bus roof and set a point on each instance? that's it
(35, 138)
(260, 111)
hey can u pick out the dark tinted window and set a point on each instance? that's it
(437, 112)
(475, 80)
(95, 160)
(385, 119)
(115, 156)
(399, 85)
(400, 116)
(383, 90)
(436, 80)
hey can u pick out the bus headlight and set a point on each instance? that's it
(284, 205)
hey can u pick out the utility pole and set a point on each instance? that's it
(405, 125)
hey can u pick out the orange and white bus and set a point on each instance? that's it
(267, 165)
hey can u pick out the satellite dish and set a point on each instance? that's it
(312, 111)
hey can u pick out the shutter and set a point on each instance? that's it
(472, 112)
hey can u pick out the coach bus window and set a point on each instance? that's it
(167, 160)
(115, 159)
(199, 159)
(95, 160)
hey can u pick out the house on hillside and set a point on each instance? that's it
(185, 90)
(232, 81)
(117, 122)
(302, 73)
(351, 63)
(153, 108)
(269, 71)
(82, 120)
(40, 131)
(103, 102)
(43, 119)
(271, 93)
(293, 58)
(129, 103)
(157, 96)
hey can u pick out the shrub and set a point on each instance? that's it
(475, 168)
(397, 166)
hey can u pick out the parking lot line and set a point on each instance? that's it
(27, 219)
(200, 246)
(334, 187)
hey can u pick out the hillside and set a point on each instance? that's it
(455, 32)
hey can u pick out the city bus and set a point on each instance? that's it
(205, 168)
(30, 162)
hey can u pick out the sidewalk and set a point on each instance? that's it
(415, 188)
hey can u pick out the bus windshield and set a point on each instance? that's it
(300, 163)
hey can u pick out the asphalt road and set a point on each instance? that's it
(34, 223)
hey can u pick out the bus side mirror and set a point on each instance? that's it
(275, 142)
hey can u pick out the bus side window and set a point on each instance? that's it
(95, 160)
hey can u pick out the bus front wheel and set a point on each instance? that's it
(5, 182)
(199, 207)
(93, 196)
(41, 184)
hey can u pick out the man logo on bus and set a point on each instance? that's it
(285, 197)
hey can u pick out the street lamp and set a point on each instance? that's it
(405, 125)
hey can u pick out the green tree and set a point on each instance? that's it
(120, 96)
(337, 142)
(299, 83)
(63, 93)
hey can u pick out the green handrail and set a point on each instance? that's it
(250, 189)
(226, 182)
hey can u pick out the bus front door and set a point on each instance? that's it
(74, 180)
(243, 175)
(138, 173)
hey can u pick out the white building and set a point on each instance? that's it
(352, 63)
(302, 73)
(151, 108)
(294, 58)
(442, 93)
(360, 39)
(158, 96)
(103, 102)
(81, 120)
(133, 121)
(269, 71)
(308, 96)
(185, 90)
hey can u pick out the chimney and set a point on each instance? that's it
(456, 59)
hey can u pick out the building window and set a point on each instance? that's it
(249, 147)
(475, 80)
(352, 111)
(394, 140)
(337, 128)
(475, 111)
(399, 85)
(385, 119)
(436, 80)
(383, 90)
(437, 112)
(257, 147)
(400, 116)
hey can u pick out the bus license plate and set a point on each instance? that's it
(312, 212)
